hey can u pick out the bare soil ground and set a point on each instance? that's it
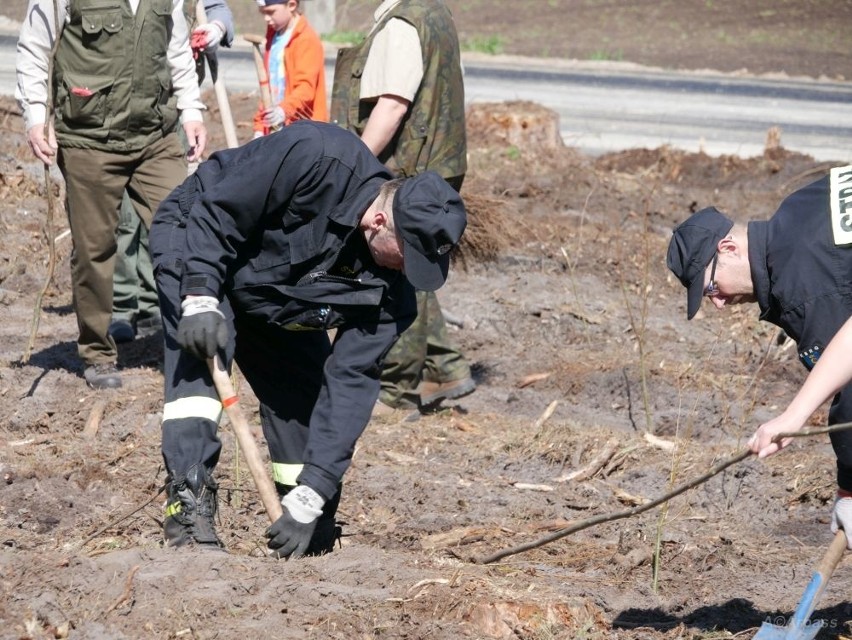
(580, 346)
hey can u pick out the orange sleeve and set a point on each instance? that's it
(304, 65)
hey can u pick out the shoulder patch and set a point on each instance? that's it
(840, 198)
(810, 356)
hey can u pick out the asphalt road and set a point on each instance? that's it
(608, 107)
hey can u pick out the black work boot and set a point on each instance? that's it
(191, 509)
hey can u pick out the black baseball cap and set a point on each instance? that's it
(430, 217)
(693, 245)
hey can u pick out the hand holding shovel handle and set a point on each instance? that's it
(220, 90)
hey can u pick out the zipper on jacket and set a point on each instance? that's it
(324, 275)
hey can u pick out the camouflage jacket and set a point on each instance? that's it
(432, 134)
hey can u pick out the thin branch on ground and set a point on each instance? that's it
(128, 591)
(123, 517)
(619, 515)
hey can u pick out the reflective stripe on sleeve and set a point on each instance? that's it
(193, 407)
(286, 474)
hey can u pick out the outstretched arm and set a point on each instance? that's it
(832, 372)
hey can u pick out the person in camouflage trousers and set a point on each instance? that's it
(135, 310)
(402, 92)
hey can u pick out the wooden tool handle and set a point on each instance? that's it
(833, 555)
(819, 580)
(220, 90)
(228, 397)
(260, 67)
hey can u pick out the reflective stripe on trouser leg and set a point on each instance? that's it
(284, 369)
(192, 407)
(286, 474)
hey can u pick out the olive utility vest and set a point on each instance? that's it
(112, 79)
(432, 134)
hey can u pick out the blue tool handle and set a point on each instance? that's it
(818, 581)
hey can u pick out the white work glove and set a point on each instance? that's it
(273, 117)
(202, 330)
(213, 33)
(841, 518)
(290, 535)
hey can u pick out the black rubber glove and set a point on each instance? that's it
(290, 535)
(202, 330)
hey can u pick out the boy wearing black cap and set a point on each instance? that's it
(257, 254)
(797, 266)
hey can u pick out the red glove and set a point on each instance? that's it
(197, 42)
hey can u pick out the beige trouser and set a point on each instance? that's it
(95, 181)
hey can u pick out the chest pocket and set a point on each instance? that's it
(161, 7)
(95, 21)
(82, 101)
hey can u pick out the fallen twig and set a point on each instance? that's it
(609, 517)
(523, 486)
(93, 422)
(659, 443)
(128, 591)
(123, 517)
(546, 415)
(594, 466)
(532, 379)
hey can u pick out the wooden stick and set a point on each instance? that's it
(128, 591)
(594, 466)
(264, 484)
(544, 417)
(609, 517)
(51, 248)
(93, 422)
(260, 67)
(813, 432)
(122, 517)
(220, 90)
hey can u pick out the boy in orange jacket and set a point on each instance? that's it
(295, 66)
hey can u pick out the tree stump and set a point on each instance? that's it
(521, 124)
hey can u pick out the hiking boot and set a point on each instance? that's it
(382, 410)
(191, 510)
(121, 331)
(433, 393)
(149, 325)
(102, 376)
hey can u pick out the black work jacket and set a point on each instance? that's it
(803, 284)
(273, 226)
